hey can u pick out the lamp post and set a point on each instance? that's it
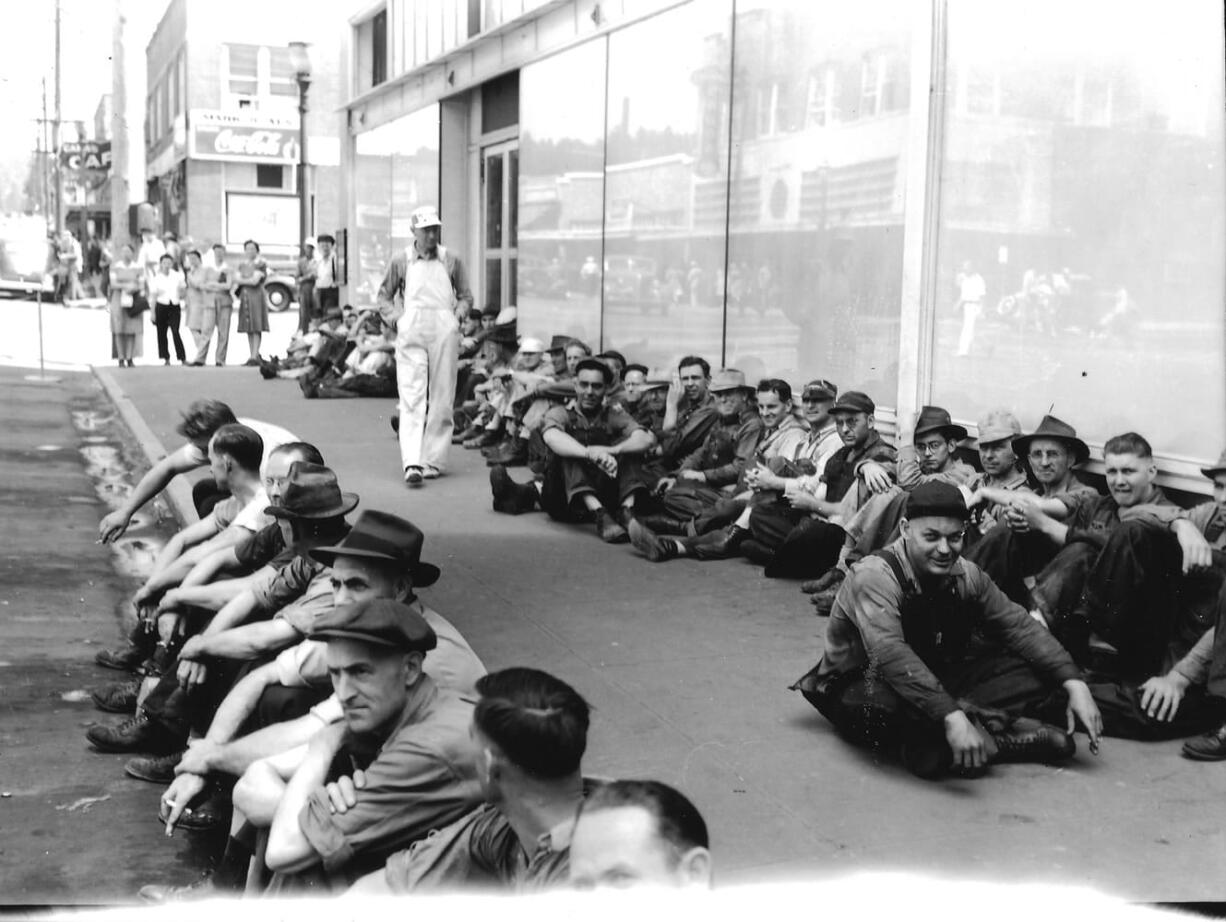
(301, 63)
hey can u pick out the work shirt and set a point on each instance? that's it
(1093, 517)
(820, 446)
(324, 271)
(481, 851)
(412, 282)
(610, 425)
(985, 516)
(272, 436)
(911, 475)
(722, 456)
(839, 475)
(296, 593)
(422, 776)
(866, 630)
(695, 420)
(1210, 520)
(266, 547)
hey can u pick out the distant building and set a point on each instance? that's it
(222, 123)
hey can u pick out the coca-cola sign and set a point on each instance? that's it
(256, 139)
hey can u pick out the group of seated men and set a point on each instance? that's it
(292, 687)
(344, 353)
(981, 603)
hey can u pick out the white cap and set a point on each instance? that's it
(425, 216)
(531, 344)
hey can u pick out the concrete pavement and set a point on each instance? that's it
(687, 666)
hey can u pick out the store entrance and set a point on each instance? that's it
(500, 195)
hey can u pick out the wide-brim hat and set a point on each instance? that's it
(311, 492)
(937, 419)
(728, 379)
(382, 536)
(1214, 470)
(1057, 429)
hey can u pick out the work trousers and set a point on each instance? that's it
(427, 350)
(166, 318)
(867, 712)
(567, 480)
(212, 318)
(689, 499)
(806, 552)
(306, 305)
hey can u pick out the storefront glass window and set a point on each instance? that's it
(1081, 241)
(401, 156)
(666, 184)
(561, 193)
(820, 121)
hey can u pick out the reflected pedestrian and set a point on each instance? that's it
(252, 308)
(127, 285)
(971, 292)
(166, 292)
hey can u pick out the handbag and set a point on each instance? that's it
(139, 305)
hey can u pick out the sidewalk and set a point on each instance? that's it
(687, 667)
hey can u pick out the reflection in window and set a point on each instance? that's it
(561, 194)
(815, 255)
(1081, 237)
(400, 157)
(666, 180)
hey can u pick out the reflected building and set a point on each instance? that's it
(768, 183)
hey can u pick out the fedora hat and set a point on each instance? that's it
(311, 492)
(1060, 431)
(1215, 469)
(728, 379)
(383, 536)
(937, 419)
(558, 343)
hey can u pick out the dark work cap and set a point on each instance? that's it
(595, 365)
(819, 389)
(935, 498)
(384, 622)
(854, 402)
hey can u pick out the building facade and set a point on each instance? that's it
(967, 203)
(222, 124)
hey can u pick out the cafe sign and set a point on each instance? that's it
(244, 137)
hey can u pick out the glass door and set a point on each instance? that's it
(500, 193)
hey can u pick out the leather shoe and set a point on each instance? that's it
(609, 529)
(136, 734)
(512, 454)
(662, 524)
(646, 543)
(511, 497)
(487, 438)
(719, 544)
(463, 435)
(154, 769)
(128, 659)
(413, 476)
(1029, 740)
(1208, 747)
(118, 699)
(828, 580)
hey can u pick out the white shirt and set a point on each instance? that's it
(149, 255)
(325, 271)
(165, 289)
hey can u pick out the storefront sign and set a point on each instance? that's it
(249, 138)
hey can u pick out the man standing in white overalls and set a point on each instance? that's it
(423, 297)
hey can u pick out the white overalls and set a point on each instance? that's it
(427, 351)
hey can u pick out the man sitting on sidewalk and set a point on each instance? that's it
(531, 729)
(409, 739)
(595, 468)
(908, 668)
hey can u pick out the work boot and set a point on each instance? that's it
(828, 580)
(118, 699)
(609, 529)
(757, 552)
(1208, 747)
(471, 431)
(487, 438)
(511, 497)
(645, 541)
(498, 447)
(513, 453)
(154, 769)
(719, 544)
(128, 659)
(136, 734)
(1029, 740)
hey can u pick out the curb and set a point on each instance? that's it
(178, 495)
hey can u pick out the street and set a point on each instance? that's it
(686, 664)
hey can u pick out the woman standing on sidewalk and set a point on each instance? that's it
(127, 329)
(166, 292)
(199, 302)
(252, 308)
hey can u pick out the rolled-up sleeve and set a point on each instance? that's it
(409, 791)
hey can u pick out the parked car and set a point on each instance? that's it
(280, 290)
(23, 256)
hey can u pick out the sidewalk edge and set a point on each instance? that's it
(178, 495)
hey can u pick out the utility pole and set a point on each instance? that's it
(44, 164)
(55, 132)
(119, 132)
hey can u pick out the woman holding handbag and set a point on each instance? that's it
(127, 304)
